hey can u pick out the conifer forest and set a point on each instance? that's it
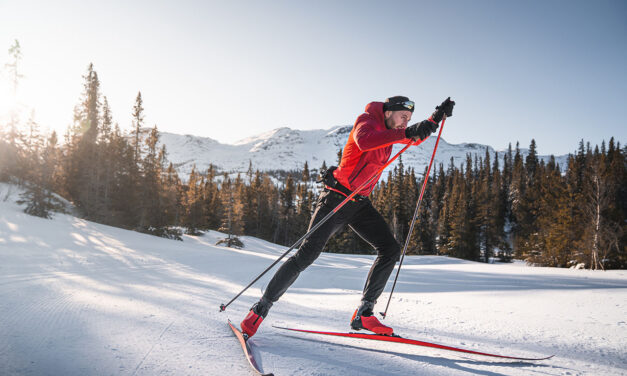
(547, 214)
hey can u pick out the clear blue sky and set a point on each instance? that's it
(550, 70)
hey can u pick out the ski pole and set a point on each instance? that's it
(411, 227)
(317, 225)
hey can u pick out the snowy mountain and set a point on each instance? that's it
(288, 149)
(279, 149)
(80, 298)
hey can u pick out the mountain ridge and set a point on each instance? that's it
(288, 149)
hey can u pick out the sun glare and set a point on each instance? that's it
(8, 101)
(15, 107)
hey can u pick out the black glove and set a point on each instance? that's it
(446, 108)
(421, 130)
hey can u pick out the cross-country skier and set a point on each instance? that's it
(368, 148)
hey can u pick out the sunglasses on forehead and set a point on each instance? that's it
(398, 104)
(407, 104)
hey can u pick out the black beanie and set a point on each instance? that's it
(397, 104)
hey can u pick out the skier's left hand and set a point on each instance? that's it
(446, 108)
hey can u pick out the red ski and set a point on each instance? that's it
(243, 340)
(399, 339)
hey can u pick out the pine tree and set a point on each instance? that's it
(456, 246)
(213, 208)
(37, 195)
(285, 231)
(138, 122)
(237, 223)
(247, 198)
(554, 223)
(232, 223)
(81, 163)
(529, 210)
(306, 174)
(531, 162)
(462, 241)
(500, 211)
(485, 201)
(446, 211)
(268, 212)
(193, 203)
(304, 206)
(151, 217)
(9, 154)
(395, 196)
(123, 195)
(15, 51)
(171, 196)
(518, 185)
(423, 238)
(105, 173)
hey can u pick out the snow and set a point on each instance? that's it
(79, 298)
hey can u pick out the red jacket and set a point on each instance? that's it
(368, 148)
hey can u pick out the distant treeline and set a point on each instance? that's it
(547, 214)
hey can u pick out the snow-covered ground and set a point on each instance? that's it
(78, 298)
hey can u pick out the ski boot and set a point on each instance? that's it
(364, 318)
(255, 317)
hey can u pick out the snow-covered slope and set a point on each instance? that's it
(288, 149)
(78, 298)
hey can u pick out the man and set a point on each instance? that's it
(368, 148)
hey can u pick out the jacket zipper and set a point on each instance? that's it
(358, 172)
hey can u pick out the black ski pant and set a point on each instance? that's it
(365, 220)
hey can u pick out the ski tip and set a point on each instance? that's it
(233, 326)
(244, 335)
(532, 359)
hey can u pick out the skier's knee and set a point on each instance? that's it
(303, 260)
(394, 251)
(389, 250)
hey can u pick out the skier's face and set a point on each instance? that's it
(397, 119)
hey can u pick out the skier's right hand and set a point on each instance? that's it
(421, 130)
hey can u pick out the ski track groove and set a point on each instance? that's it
(151, 348)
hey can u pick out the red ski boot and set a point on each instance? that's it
(363, 318)
(255, 317)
